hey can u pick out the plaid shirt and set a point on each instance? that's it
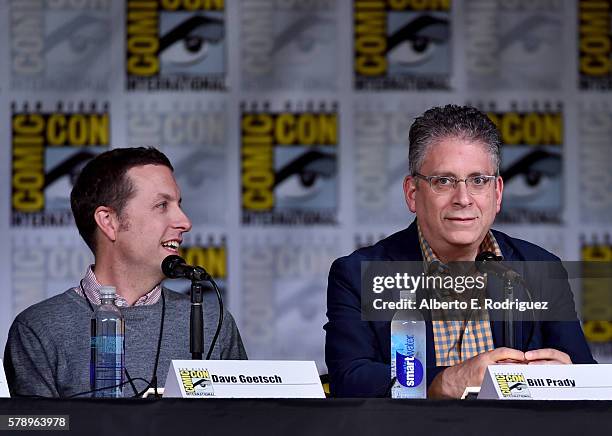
(454, 340)
(92, 292)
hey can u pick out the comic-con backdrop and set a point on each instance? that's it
(287, 123)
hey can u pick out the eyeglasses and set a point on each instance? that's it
(445, 184)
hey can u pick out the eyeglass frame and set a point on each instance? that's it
(456, 181)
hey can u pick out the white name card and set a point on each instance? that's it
(547, 382)
(243, 379)
(4, 391)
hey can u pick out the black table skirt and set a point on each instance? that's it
(176, 417)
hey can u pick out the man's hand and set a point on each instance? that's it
(547, 356)
(451, 382)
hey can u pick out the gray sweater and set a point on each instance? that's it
(48, 348)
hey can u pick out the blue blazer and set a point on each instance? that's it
(357, 352)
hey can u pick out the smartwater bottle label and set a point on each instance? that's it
(408, 369)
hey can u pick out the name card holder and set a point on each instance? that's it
(547, 382)
(243, 379)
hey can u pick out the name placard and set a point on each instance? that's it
(547, 382)
(4, 391)
(243, 379)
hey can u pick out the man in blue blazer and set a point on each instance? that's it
(455, 190)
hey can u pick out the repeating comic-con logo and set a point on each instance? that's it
(514, 44)
(288, 44)
(196, 382)
(49, 149)
(595, 139)
(532, 161)
(193, 136)
(289, 163)
(176, 45)
(210, 253)
(60, 44)
(284, 278)
(595, 44)
(381, 163)
(402, 44)
(46, 264)
(596, 297)
(512, 385)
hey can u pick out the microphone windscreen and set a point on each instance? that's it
(169, 264)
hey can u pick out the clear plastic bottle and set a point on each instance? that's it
(107, 347)
(408, 352)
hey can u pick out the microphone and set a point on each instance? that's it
(488, 262)
(175, 267)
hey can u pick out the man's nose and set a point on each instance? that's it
(182, 221)
(461, 196)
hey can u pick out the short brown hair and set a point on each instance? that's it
(103, 182)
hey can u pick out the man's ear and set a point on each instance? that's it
(410, 192)
(107, 221)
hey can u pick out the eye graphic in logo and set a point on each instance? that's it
(197, 171)
(78, 41)
(532, 177)
(189, 42)
(305, 176)
(70, 167)
(61, 177)
(528, 48)
(416, 42)
(203, 383)
(306, 300)
(518, 387)
(304, 39)
(533, 36)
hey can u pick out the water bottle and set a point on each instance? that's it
(107, 347)
(408, 352)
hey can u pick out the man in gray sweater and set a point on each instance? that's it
(127, 207)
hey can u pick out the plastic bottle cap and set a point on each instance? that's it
(108, 291)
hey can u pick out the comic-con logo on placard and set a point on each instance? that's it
(49, 149)
(532, 161)
(596, 250)
(60, 44)
(196, 382)
(514, 44)
(402, 44)
(512, 385)
(175, 45)
(595, 44)
(289, 163)
(288, 44)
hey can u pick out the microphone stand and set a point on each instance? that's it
(508, 314)
(196, 321)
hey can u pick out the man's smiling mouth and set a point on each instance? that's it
(171, 245)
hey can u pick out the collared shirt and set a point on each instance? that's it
(91, 287)
(454, 340)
